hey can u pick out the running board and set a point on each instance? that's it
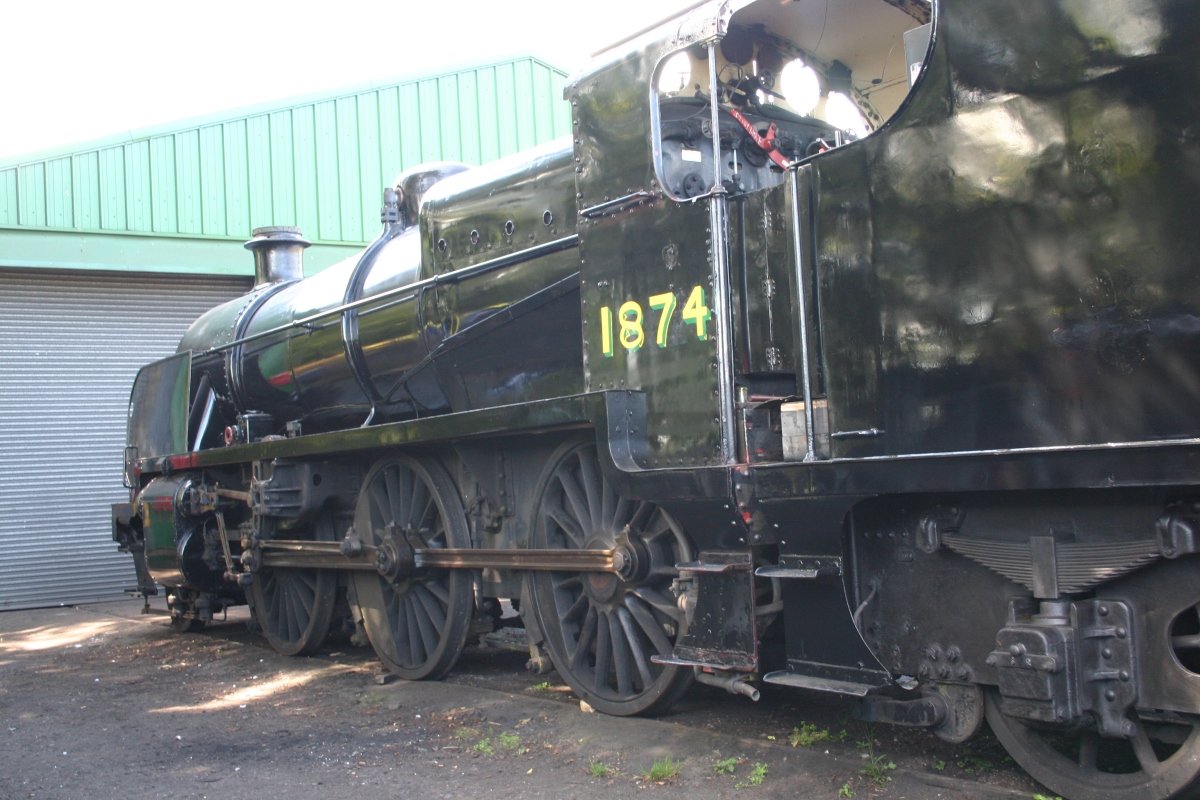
(784, 678)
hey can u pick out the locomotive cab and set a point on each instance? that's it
(790, 84)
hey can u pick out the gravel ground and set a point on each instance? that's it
(100, 701)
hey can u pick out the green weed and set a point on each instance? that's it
(878, 767)
(807, 735)
(466, 733)
(845, 791)
(972, 765)
(725, 767)
(598, 769)
(663, 770)
(484, 746)
(940, 765)
(508, 741)
(758, 774)
(544, 686)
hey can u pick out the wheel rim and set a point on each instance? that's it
(295, 607)
(601, 630)
(418, 626)
(1160, 762)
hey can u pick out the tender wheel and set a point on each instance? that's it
(601, 630)
(294, 607)
(418, 624)
(1161, 761)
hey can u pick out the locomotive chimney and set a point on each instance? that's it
(278, 254)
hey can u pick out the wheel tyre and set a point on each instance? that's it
(1175, 776)
(566, 613)
(419, 627)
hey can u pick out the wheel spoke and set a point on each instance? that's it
(569, 581)
(271, 600)
(658, 602)
(417, 503)
(306, 593)
(641, 515)
(587, 634)
(1144, 750)
(380, 504)
(608, 508)
(408, 481)
(635, 647)
(648, 624)
(400, 632)
(603, 652)
(294, 627)
(1191, 642)
(308, 577)
(576, 498)
(415, 645)
(429, 637)
(577, 609)
(439, 591)
(436, 612)
(420, 524)
(621, 514)
(620, 657)
(566, 524)
(589, 473)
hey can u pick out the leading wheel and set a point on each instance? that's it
(417, 625)
(602, 630)
(1160, 762)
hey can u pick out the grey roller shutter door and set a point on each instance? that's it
(70, 345)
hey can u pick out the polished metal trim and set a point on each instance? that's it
(600, 209)
(233, 366)
(802, 310)
(721, 289)
(356, 359)
(528, 254)
(868, 433)
(784, 678)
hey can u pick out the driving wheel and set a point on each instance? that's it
(417, 619)
(602, 629)
(294, 607)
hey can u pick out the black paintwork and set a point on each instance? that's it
(1001, 282)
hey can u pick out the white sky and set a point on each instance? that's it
(78, 69)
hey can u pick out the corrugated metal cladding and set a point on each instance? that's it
(70, 345)
(321, 165)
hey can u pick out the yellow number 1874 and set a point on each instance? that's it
(631, 332)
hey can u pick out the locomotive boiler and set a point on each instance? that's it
(845, 345)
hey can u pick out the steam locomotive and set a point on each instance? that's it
(846, 345)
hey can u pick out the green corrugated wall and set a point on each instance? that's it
(319, 164)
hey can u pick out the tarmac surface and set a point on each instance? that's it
(101, 701)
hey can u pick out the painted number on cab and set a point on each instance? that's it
(628, 327)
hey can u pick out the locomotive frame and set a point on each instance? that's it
(910, 418)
